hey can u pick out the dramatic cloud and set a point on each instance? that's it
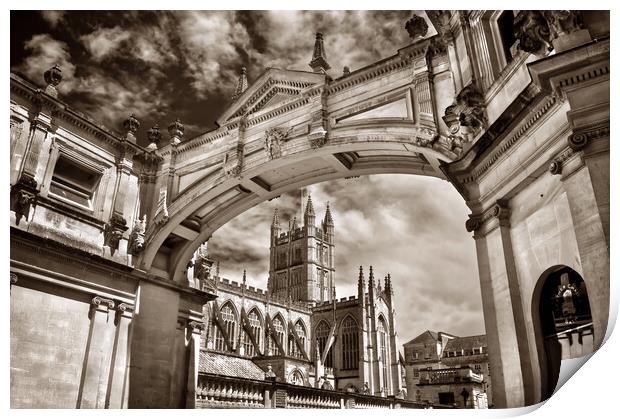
(163, 65)
(408, 226)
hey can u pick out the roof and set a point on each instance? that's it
(423, 337)
(229, 365)
(466, 342)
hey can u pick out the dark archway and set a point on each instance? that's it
(562, 321)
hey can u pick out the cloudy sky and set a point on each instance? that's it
(163, 65)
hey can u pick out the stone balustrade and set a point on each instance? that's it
(222, 392)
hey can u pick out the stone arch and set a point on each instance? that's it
(321, 336)
(399, 144)
(303, 337)
(560, 311)
(276, 320)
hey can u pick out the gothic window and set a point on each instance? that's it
(73, 182)
(278, 328)
(296, 255)
(255, 326)
(294, 350)
(382, 332)
(322, 336)
(350, 344)
(229, 319)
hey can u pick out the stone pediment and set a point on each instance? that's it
(273, 87)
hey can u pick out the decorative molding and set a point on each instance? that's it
(536, 30)
(557, 164)
(582, 136)
(273, 139)
(507, 144)
(14, 278)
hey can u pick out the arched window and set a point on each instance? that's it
(382, 332)
(278, 326)
(350, 344)
(322, 335)
(255, 325)
(229, 318)
(293, 349)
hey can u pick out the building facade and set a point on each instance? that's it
(448, 370)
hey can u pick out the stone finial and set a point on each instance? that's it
(242, 84)
(244, 280)
(346, 71)
(309, 215)
(52, 77)
(319, 59)
(176, 129)
(416, 27)
(371, 276)
(154, 136)
(131, 124)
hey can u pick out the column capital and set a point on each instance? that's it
(496, 215)
(102, 304)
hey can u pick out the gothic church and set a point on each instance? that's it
(297, 329)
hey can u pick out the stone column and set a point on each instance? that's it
(152, 344)
(158, 356)
(195, 329)
(99, 348)
(509, 357)
(117, 384)
(586, 182)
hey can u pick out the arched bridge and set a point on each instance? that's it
(294, 128)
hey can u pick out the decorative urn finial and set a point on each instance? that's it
(52, 77)
(154, 136)
(131, 125)
(176, 130)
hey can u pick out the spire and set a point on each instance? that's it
(328, 221)
(244, 279)
(276, 218)
(309, 215)
(361, 285)
(371, 278)
(242, 84)
(319, 60)
(388, 285)
(295, 225)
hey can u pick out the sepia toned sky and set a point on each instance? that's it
(163, 65)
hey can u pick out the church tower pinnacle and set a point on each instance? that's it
(319, 60)
(309, 215)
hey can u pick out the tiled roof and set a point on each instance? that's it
(229, 365)
(423, 337)
(466, 342)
